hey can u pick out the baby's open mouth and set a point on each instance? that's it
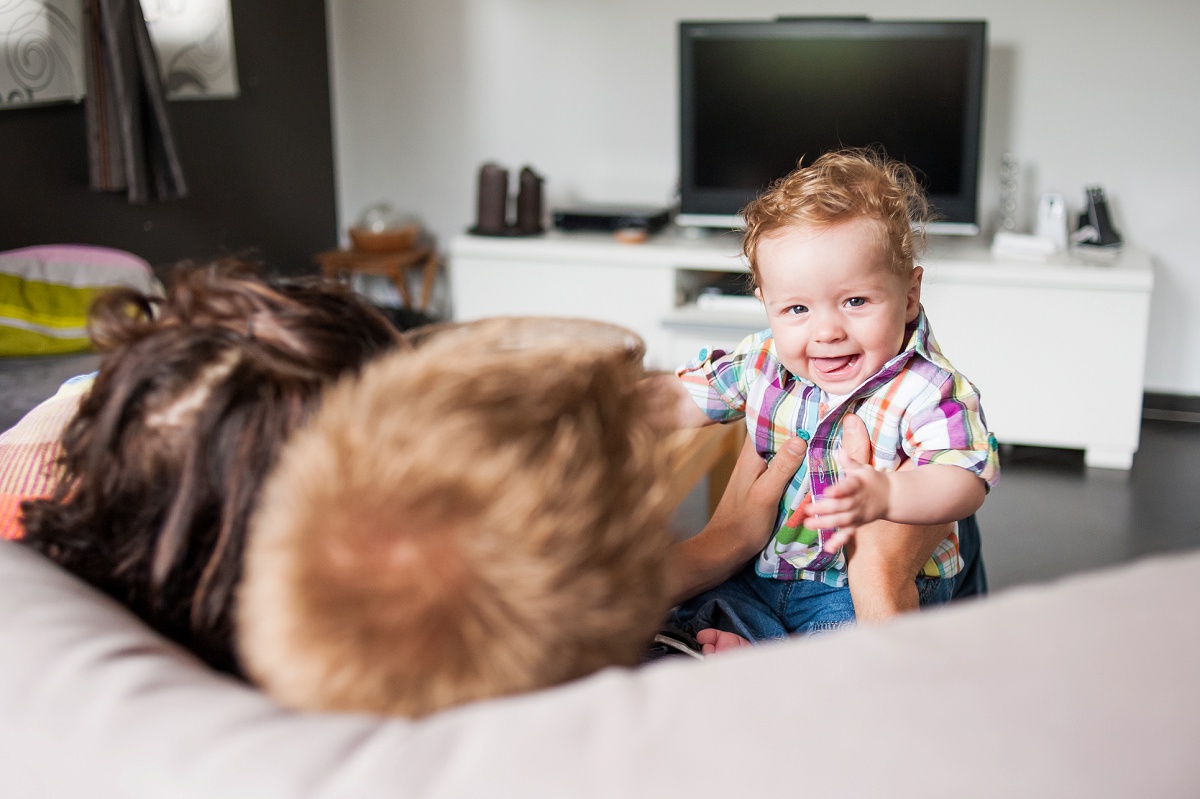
(833, 367)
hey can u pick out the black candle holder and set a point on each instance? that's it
(492, 218)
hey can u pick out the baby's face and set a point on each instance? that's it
(837, 310)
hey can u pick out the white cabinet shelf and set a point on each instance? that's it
(1056, 348)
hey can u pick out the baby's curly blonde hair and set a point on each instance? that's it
(838, 186)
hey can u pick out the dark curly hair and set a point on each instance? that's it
(196, 393)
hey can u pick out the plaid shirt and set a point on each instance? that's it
(917, 406)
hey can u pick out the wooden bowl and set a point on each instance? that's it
(389, 240)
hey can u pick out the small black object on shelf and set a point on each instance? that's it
(609, 218)
(1095, 223)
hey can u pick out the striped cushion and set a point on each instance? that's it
(29, 453)
(45, 293)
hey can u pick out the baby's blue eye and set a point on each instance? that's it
(856, 302)
(797, 309)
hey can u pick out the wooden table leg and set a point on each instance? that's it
(427, 279)
(399, 276)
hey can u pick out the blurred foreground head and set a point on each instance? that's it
(162, 465)
(480, 516)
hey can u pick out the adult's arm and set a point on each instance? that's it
(884, 557)
(672, 407)
(741, 524)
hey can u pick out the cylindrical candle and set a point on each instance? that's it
(529, 202)
(492, 216)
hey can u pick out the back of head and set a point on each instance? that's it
(195, 395)
(839, 186)
(468, 520)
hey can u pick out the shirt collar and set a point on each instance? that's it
(918, 337)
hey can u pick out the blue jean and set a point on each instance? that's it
(972, 580)
(764, 609)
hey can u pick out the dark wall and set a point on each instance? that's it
(259, 168)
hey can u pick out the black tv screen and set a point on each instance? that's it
(756, 97)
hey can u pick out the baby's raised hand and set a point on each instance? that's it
(860, 496)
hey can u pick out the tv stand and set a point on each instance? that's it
(1056, 348)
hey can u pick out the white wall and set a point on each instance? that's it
(1080, 92)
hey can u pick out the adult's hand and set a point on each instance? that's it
(741, 524)
(883, 558)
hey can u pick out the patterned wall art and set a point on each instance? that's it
(41, 52)
(194, 42)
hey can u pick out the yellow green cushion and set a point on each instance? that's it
(45, 294)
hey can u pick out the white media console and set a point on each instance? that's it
(1056, 348)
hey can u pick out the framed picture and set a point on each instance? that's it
(194, 42)
(42, 53)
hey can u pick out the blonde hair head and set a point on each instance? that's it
(475, 518)
(839, 186)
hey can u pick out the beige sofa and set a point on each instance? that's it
(1088, 688)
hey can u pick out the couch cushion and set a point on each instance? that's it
(1083, 688)
(30, 449)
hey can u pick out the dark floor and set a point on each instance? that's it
(1049, 516)
(24, 382)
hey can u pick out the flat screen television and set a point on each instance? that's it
(756, 97)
